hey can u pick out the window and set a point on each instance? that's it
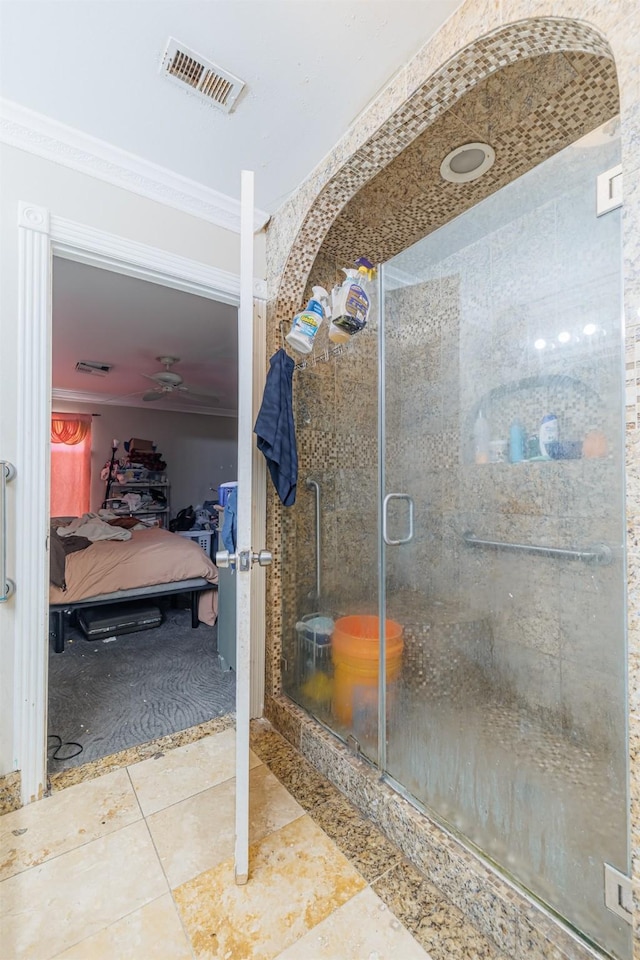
(70, 464)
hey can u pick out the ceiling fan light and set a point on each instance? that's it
(167, 378)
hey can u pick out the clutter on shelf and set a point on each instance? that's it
(136, 483)
(141, 462)
(543, 442)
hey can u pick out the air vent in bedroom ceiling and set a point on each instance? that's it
(201, 77)
(93, 367)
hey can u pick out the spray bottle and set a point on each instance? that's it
(350, 302)
(307, 323)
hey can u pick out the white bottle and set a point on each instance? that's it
(548, 433)
(306, 323)
(481, 438)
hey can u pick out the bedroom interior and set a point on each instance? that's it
(124, 672)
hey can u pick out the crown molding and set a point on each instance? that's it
(97, 248)
(36, 133)
(101, 399)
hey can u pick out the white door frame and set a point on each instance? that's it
(42, 235)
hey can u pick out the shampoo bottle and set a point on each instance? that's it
(548, 434)
(307, 323)
(481, 438)
(516, 442)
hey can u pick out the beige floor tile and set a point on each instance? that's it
(152, 933)
(362, 929)
(298, 877)
(198, 833)
(48, 908)
(181, 773)
(52, 826)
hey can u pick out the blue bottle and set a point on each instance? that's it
(516, 442)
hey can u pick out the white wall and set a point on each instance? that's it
(97, 204)
(200, 451)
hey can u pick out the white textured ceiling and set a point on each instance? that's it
(311, 66)
(110, 318)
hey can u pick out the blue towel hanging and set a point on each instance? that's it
(229, 531)
(275, 428)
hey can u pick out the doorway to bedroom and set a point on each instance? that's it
(144, 428)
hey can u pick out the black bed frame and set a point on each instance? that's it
(58, 611)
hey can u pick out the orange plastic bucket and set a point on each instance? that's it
(355, 653)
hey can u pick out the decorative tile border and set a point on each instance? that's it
(543, 105)
(430, 100)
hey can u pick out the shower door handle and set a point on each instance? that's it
(7, 587)
(385, 506)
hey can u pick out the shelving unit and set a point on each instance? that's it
(144, 486)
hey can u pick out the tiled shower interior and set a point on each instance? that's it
(507, 721)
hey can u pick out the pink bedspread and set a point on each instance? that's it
(150, 557)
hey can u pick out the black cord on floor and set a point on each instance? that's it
(60, 746)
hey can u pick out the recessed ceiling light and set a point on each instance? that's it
(564, 337)
(540, 344)
(467, 162)
(590, 329)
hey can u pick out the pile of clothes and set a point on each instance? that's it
(68, 535)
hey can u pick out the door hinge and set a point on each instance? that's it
(617, 893)
(609, 190)
(353, 745)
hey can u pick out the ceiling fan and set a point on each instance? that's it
(168, 382)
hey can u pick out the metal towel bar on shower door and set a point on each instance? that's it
(314, 485)
(598, 553)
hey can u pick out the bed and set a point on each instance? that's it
(153, 563)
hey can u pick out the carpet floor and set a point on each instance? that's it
(107, 696)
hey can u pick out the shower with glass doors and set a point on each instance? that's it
(458, 608)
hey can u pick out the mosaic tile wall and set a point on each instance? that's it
(527, 112)
(336, 428)
(427, 102)
(466, 338)
(449, 65)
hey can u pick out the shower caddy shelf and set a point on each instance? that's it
(322, 356)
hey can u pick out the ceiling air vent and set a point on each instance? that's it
(204, 78)
(93, 367)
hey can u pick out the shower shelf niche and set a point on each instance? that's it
(577, 405)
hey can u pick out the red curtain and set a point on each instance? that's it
(70, 464)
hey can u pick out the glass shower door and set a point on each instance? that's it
(503, 416)
(330, 538)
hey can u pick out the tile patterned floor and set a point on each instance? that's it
(139, 864)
